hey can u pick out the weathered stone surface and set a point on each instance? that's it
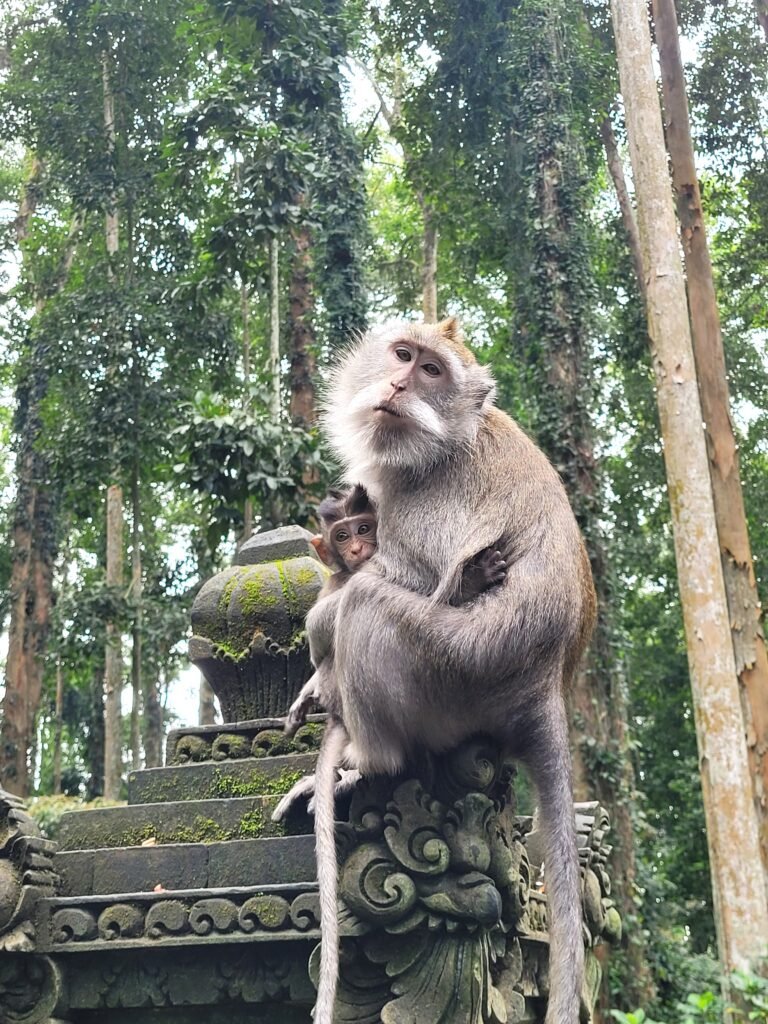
(264, 738)
(248, 624)
(287, 859)
(253, 982)
(276, 546)
(262, 861)
(227, 778)
(191, 821)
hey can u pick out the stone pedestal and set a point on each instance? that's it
(191, 905)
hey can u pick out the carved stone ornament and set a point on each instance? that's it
(458, 932)
(248, 624)
(26, 873)
(30, 987)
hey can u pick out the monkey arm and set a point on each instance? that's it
(528, 615)
(321, 627)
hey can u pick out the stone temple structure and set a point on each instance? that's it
(190, 905)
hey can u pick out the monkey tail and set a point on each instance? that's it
(550, 766)
(327, 869)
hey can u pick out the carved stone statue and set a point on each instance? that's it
(190, 905)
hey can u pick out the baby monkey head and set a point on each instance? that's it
(348, 529)
(406, 396)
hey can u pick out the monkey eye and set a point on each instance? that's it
(363, 528)
(431, 369)
(403, 354)
(342, 536)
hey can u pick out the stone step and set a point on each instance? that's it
(240, 862)
(183, 821)
(252, 776)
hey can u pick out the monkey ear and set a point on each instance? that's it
(322, 549)
(450, 329)
(485, 387)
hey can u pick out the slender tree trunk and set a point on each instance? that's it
(429, 262)
(741, 908)
(245, 311)
(207, 705)
(59, 728)
(557, 315)
(94, 746)
(136, 630)
(33, 545)
(113, 655)
(735, 551)
(616, 170)
(301, 308)
(274, 327)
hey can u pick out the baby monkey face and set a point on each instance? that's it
(354, 540)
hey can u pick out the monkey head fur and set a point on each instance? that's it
(406, 396)
(348, 529)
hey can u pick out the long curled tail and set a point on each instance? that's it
(551, 771)
(328, 761)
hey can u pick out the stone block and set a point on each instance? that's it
(262, 862)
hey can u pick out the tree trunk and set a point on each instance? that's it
(207, 705)
(58, 728)
(741, 908)
(301, 308)
(274, 327)
(556, 307)
(245, 311)
(136, 599)
(33, 546)
(429, 262)
(113, 654)
(735, 551)
(616, 170)
(94, 745)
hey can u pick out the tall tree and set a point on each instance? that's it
(736, 554)
(741, 905)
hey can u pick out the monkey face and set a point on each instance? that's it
(408, 396)
(354, 540)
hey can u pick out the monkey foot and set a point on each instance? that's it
(348, 779)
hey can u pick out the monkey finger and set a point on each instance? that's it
(304, 787)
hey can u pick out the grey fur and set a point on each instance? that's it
(452, 475)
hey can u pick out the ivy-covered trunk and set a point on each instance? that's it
(301, 308)
(33, 544)
(33, 550)
(555, 311)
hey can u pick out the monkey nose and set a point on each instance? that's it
(398, 385)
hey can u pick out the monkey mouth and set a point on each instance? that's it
(387, 408)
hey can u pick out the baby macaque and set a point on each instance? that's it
(347, 539)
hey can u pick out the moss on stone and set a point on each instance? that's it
(229, 587)
(306, 577)
(256, 595)
(225, 785)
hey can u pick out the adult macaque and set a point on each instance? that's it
(346, 542)
(410, 414)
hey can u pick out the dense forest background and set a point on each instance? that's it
(200, 200)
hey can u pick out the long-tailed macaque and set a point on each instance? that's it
(346, 542)
(410, 414)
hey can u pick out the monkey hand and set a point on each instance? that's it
(348, 779)
(487, 569)
(491, 567)
(298, 711)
